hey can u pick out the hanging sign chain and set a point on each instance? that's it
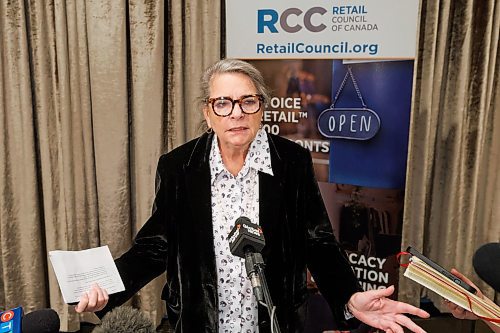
(342, 85)
(360, 123)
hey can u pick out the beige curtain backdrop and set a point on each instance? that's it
(194, 44)
(83, 121)
(452, 202)
(85, 114)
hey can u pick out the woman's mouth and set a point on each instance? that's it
(237, 129)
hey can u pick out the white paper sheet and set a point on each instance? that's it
(77, 271)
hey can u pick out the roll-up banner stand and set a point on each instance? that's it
(341, 75)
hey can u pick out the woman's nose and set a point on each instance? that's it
(237, 111)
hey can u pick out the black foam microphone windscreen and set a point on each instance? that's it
(125, 319)
(245, 236)
(486, 262)
(40, 321)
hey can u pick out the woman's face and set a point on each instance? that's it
(237, 130)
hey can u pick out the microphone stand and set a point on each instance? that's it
(259, 267)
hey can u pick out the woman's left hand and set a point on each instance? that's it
(375, 309)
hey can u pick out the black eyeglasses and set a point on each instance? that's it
(224, 106)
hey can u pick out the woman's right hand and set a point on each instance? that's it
(93, 300)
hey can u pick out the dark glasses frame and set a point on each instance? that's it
(210, 101)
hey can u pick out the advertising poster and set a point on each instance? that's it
(341, 75)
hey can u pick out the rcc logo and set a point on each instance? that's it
(269, 18)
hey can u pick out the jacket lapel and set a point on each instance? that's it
(197, 180)
(270, 197)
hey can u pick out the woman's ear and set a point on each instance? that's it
(205, 115)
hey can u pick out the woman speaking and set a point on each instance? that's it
(236, 169)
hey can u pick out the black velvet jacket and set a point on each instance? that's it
(178, 239)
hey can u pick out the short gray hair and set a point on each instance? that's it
(234, 66)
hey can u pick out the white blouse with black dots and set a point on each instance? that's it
(232, 197)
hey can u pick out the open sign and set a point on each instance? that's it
(349, 123)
